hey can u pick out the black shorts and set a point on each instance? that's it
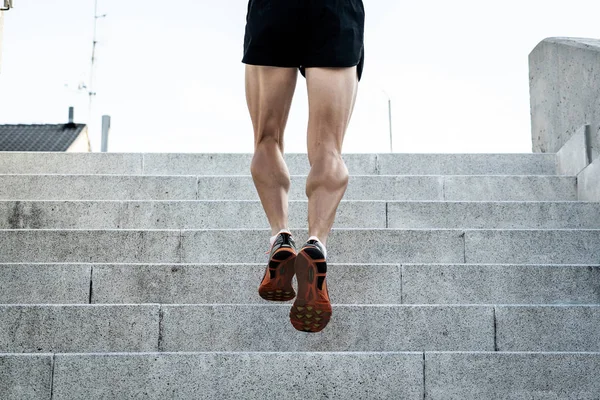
(305, 33)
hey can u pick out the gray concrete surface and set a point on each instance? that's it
(348, 284)
(78, 328)
(532, 246)
(377, 246)
(97, 187)
(389, 187)
(352, 328)
(588, 182)
(447, 305)
(192, 214)
(493, 215)
(363, 187)
(206, 246)
(239, 164)
(89, 246)
(574, 155)
(233, 283)
(510, 188)
(251, 376)
(360, 187)
(343, 246)
(44, 283)
(25, 376)
(548, 328)
(564, 90)
(500, 284)
(466, 164)
(70, 163)
(214, 214)
(499, 375)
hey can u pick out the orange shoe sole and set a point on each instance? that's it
(276, 284)
(311, 311)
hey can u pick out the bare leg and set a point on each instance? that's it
(332, 95)
(269, 93)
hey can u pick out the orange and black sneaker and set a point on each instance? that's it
(276, 284)
(312, 309)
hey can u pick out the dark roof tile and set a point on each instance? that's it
(39, 137)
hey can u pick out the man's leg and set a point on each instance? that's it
(331, 97)
(269, 92)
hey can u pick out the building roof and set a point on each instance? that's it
(39, 137)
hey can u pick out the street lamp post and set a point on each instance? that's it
(389, 118)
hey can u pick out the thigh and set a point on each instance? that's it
(331, 98)
(269, 93)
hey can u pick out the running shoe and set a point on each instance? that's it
(276, 284)
(312, 309)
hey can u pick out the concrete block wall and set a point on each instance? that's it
(580, 157)
(564, 89)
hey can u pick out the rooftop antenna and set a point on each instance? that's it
(91, 91)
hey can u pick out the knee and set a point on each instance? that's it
(268, 164)
(268, 133)
(327, 170)
(265, 149)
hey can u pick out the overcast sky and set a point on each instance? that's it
(171, 77)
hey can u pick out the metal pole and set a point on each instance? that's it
(105, 132)
(91, 85)
(91, 91)
(1, 34)
(390, 116)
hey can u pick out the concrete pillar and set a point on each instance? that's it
(564, 81)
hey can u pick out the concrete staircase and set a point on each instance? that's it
(452, 277)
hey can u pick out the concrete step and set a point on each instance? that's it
(192, 214)
(407, 187)
(331, 375)
(493, 215)
(500, 284)
(360, 187)
(514, 375)
(344, 246)
(153, 327)
(347, 283)
(249, 214)
(78, 328)
(384, 328)
(234, 164)
(97, 187)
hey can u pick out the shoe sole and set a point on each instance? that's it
(308, 314)
(281, 270)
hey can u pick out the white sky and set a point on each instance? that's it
(171, 77)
